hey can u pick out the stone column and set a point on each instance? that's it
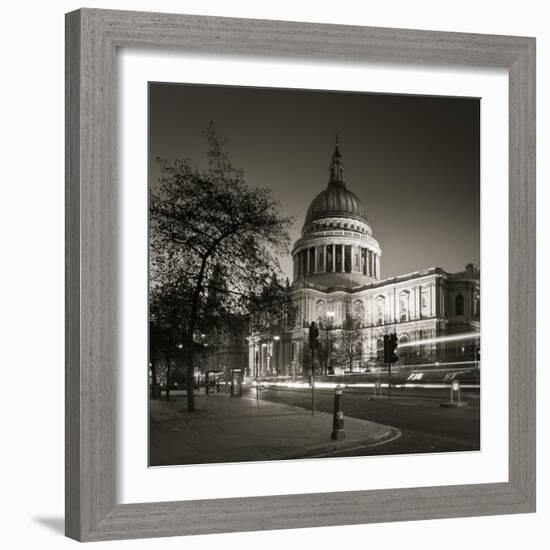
(372, 264)
(306, 251)
(250, 358)
(325, 260)
(343, 266)
(369, 263)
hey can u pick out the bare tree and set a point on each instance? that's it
(349, 343)
(326, 351)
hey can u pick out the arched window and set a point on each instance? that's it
(404, 353)
(380, 349)
(404, 306)
(380, 306)
(424, 300)
(358, 311)
(459, 304)
(320, 310)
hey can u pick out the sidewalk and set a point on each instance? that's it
(226, 429)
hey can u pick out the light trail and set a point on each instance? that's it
(333, 385)
(441, 340)
(439, 366)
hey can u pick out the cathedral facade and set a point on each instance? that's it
(337, 284)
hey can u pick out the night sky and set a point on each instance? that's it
(412, 160)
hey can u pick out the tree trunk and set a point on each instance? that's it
(189, 380)
(154, 382)
(190, 352)
(168, 377)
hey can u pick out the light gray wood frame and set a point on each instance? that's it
(92, 39)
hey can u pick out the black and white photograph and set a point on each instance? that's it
(314, 278)
(271, 274)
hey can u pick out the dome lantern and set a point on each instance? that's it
(336, 166)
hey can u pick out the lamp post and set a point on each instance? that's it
(266, 347)
(253, 339)
(275, 340)
(330, 320)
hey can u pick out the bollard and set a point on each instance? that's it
(455, 387)
(338, 433)
(455, 393)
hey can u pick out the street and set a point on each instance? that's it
(416, 412)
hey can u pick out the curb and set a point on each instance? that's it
(324, 451)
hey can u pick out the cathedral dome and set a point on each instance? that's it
(336, 248)
(336, 200)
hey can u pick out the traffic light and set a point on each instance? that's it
(313, 336)
(390, 345)
(393, 346)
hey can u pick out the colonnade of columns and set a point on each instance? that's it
(336, 258)
(268, 357)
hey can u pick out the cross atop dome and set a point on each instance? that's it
(336, 168)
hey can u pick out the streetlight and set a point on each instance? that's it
(275, 340)
(253, 339)
(330, 315)
(264, 355)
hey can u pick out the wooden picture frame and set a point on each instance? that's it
(92, 39)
